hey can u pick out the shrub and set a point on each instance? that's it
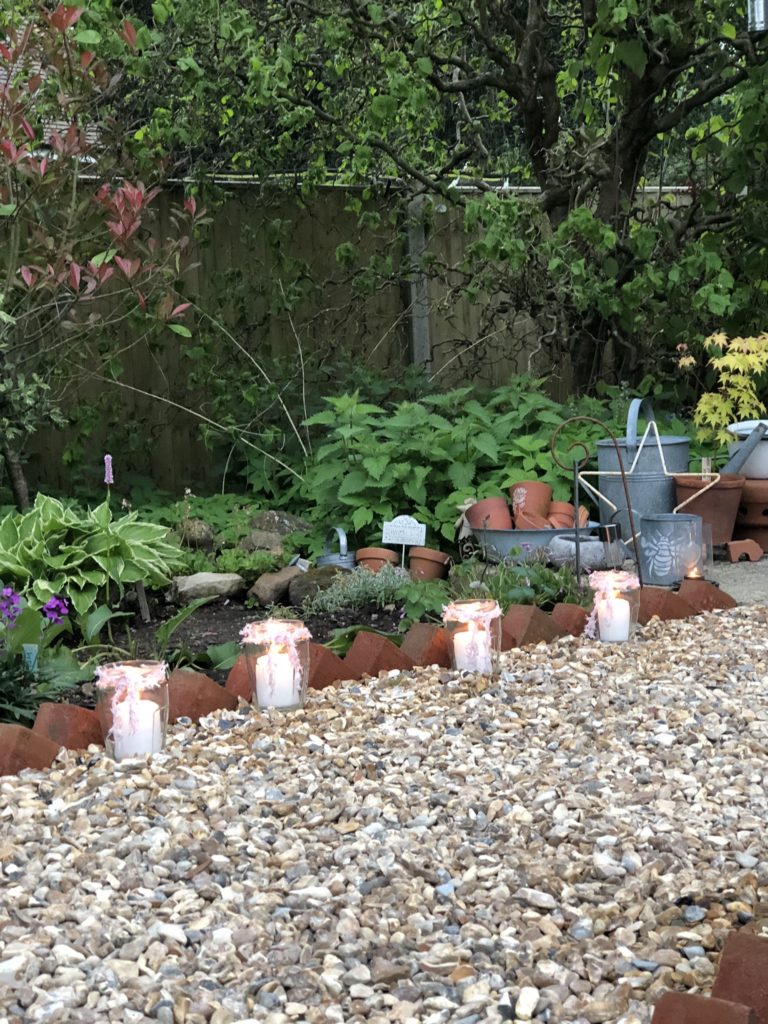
(356, 588)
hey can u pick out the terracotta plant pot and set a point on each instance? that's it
(717, 506)
(525, 521)
(562, 508)
(531, 497)
(753, 507)
(489, 514)
(376, 558)
(560, 522)
(583, 517)
(428, 564)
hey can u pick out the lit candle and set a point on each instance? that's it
(276, 680)
(613, 618)
(472, 649)
(137, 728)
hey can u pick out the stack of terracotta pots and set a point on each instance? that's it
(752, 515)
(532, 509)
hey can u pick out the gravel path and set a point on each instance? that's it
(425, 848)
(746, 582)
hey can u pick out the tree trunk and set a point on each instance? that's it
(16, 478)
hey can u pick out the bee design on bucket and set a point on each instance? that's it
(661, 555)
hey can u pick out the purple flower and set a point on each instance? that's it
(108, 477)
(56, 610)
(10, 606)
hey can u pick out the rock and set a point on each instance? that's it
(536, 898)
(263, 540)
(281, 523)
(196, 533)
(386, 971)
(185, 589)
(272, 587)
(527, 1001)
(17, 970)
(307, 584)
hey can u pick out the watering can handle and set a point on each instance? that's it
(338, 532)
(637, 407)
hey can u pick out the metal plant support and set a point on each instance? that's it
(577, 467)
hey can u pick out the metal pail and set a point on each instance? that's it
(669, 548)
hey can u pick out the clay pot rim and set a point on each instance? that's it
(386, 554)
(561, 508)
(532, 519)
(429, 555)
(694, 480)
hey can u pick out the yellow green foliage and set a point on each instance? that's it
(739, 364)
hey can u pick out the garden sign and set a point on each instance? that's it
(404, 530)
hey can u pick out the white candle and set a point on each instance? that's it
(613, 618)
(137, 728)
(275, 682)
(472, 649)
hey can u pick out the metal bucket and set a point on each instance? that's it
(342, 559)
(669, 548)
(650, 489)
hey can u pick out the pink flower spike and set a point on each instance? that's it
(108, 477)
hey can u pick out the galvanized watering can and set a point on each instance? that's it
(650, 467)
(342, 559)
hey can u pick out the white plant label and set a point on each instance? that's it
(404, 530)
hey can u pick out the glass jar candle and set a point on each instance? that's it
(616, 607)
(277, 656)
(132, 704)
(474, 632)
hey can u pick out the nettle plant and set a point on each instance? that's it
(83, 268)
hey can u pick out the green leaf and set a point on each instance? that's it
(486, 443)
(95, 622)
(169, 627)
(375, 465)
(631, 52)
(181, 329)
(88, 37)
(361, 517)
(223, 656)
(728, 30)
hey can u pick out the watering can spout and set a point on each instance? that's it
(741, 455)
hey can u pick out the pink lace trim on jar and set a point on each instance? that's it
(607, 584)
(128, 682)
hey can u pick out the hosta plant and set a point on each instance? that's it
(54, 551)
